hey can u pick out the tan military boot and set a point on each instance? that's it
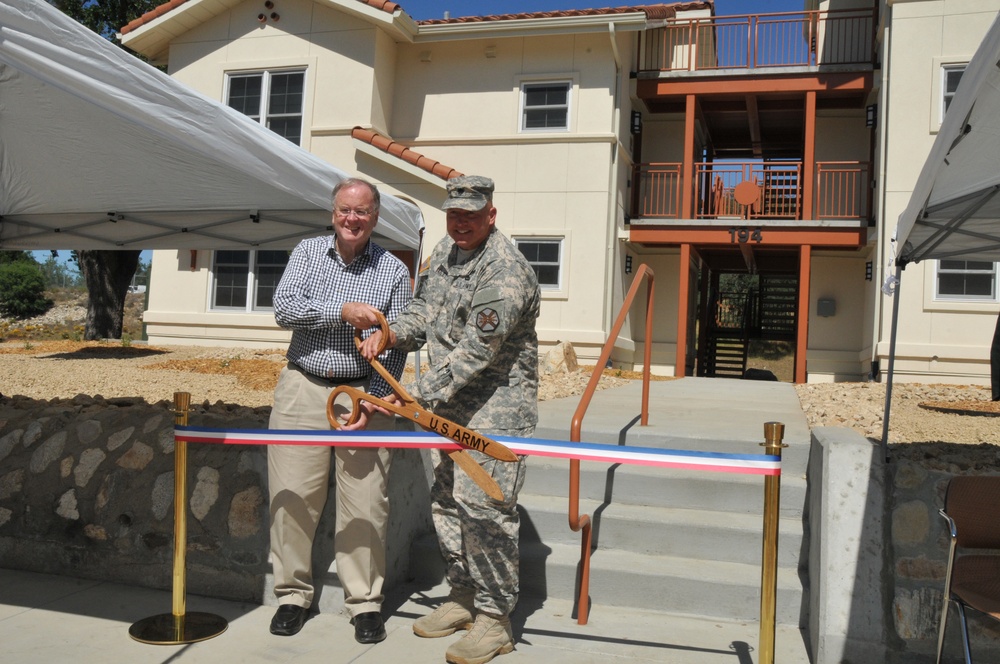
(490, 636)
(453, 615)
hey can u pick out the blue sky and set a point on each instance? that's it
(428, 9)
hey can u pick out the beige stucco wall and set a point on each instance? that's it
(457, 102)
(936, 341)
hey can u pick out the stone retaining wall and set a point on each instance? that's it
(919, 475)
(87, 484)
(879, 550)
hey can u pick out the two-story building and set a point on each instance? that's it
(756, 163)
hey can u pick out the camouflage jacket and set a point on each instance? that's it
(477, 321)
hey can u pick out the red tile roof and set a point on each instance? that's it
(658, 11)
(399, 150)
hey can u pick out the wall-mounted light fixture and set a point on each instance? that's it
(868, 271)
(628, 264)
(425, 56)
(636, 123)
(871, 115)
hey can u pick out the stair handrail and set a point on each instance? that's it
(577, 521)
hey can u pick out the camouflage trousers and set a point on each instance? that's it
(478, 536)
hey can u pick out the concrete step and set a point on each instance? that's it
(686, 533)
(663, 487)
(668, 584)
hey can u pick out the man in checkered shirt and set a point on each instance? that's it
(331, 286)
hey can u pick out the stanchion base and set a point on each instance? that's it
(166, 629)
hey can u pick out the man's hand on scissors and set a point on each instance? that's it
(371, 346)
(367, 410)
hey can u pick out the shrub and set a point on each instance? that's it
(22, 290)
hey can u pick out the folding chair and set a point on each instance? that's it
(972, 509)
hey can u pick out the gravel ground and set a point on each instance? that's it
(63, 369)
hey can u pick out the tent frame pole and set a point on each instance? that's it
(892, 361)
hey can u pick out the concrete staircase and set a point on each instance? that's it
(680, 542)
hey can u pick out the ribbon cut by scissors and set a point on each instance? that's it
(409, 409)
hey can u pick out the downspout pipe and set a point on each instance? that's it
(611, 236)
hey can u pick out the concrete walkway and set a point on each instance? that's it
(63, 619)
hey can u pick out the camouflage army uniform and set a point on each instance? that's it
(477, 321)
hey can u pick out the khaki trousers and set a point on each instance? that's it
(298, 480)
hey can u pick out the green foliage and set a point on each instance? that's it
(16, 257)
(22, 290)
(105, 17)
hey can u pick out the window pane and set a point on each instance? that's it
(286, 93)
(267, 281)
(545, 118)
(952, 78)
(230, 287)
(244, 94)
(543, 256)
(547, 275)
(231, 269)
(966, 279)
(290, 128)
(545, 95)
(546, 106)
(548, 251)
(529, 249)
(270, 266)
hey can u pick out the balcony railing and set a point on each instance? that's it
(793, 39)
(753, 190)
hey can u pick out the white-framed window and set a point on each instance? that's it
(545, 105)
(950, 76)
(244, 280)
(966, 280)
(274, 98)
(545, 257)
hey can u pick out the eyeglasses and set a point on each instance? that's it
(360, 213)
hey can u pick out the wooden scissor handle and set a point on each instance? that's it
(356, 400)
(384, 325)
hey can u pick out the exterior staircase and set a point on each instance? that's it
(778, 304)
(681, 542)
(727, 354)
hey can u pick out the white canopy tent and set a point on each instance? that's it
(954, 211)
(99, 150)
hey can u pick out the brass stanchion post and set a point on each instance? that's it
(179, 626)
(773, 434)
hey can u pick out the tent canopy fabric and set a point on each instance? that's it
(954, 211)
(99, 150)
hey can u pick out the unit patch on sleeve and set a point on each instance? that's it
(487, 320)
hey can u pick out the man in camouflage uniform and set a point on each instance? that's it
(475, 310)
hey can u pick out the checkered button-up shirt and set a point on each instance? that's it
(315, 286)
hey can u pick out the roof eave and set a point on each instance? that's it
(531, 27)
(152, 39)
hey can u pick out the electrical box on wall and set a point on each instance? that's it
(826, 307)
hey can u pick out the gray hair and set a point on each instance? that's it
(354, 182)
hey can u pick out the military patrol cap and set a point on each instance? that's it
(468, 192)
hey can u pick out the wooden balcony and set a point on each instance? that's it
(753, 41)
(753, 190)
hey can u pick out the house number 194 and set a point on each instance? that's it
(744, 235)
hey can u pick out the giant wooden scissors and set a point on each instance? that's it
(409, 409)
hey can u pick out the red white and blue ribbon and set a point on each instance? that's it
(716, 462)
